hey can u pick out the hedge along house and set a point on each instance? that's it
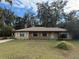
(41, 33)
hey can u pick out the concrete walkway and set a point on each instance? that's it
(5, 40)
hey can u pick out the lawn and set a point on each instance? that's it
(36, 49)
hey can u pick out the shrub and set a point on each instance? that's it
(64, 45)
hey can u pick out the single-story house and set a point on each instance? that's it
(41, 33)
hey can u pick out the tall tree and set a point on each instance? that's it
(6, 18)
(27, 21)
(71, 21)
(49, 14)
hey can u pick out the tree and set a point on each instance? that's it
(18, 24)
(27, 21)
(71, 23)
(6, 16)
(70, 20)
(6, 19)
(49, 14)
(6, 31)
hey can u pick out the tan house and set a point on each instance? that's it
(41, 33)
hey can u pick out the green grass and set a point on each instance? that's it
(36, 49)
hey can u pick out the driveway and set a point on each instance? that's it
(6, 40)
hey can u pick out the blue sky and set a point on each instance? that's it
(20, 7)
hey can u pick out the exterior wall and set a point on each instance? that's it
(29, 35)
(50, 35)
(54, 36)
(69, 36)
(17, 35)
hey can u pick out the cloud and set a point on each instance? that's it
(20, 7)
(27, 5)
(72, 5)
(18, 3)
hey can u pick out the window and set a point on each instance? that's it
(44, 34)
(35, 34)
(63, 35)
(22, 34)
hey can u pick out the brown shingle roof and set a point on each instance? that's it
(56, 29)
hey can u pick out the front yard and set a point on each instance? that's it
(36, 49)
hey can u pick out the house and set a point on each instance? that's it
(41, 33)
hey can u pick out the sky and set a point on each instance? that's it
(72, 5)
(20, 7)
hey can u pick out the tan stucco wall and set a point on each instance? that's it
(69, 36)
(30, 36)
(50, 35)
(27, 35)
(17, 35)
(54, 36)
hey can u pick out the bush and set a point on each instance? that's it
(64, 45)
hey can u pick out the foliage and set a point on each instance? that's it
(24, 22)
(6, 31)
(49, 14)
(71, 22)
(6, 17)
(64, 45)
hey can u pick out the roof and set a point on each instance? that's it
(54, 29)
